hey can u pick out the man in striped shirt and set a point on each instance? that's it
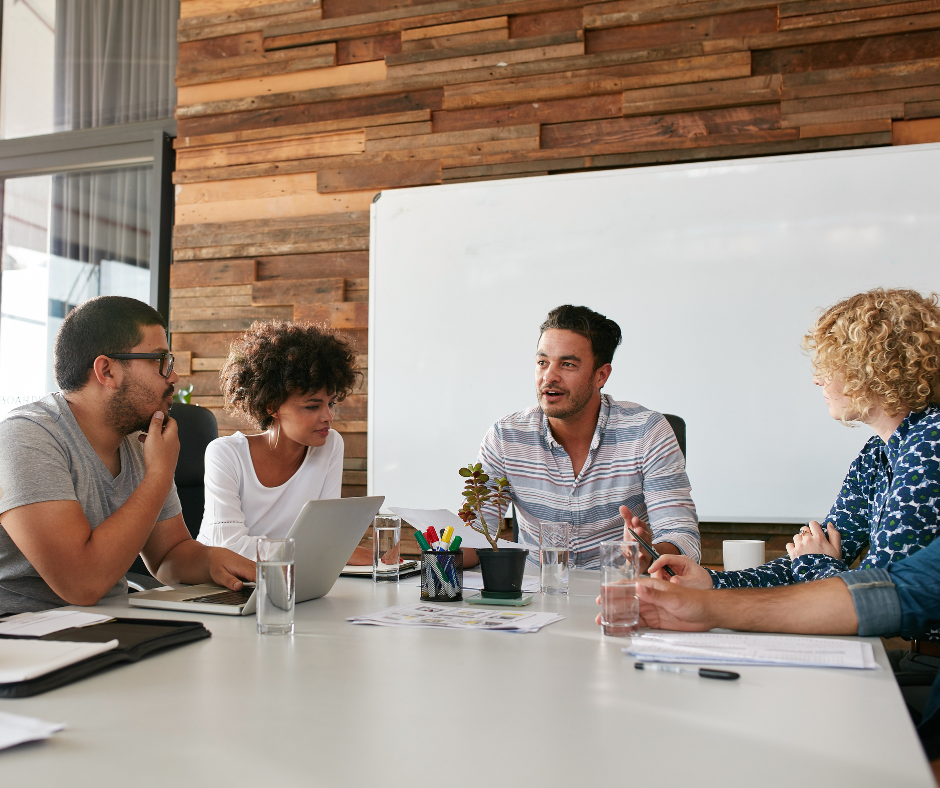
(582, 458)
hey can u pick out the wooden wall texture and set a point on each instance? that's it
(292, 115)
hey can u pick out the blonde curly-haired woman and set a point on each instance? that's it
(876, 357)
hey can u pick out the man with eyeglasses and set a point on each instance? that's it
(86, 473)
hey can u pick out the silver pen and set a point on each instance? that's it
(705, 673)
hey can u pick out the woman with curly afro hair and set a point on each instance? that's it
(285, 378)
(876, 357)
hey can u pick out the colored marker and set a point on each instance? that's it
(431, 535)
(448, 534)
(422, 542)
(455, 544)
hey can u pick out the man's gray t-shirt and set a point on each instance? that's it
(45, 456)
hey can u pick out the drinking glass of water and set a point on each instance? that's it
(620, 608)
(386, 550)
(554, 546)
(275, 586)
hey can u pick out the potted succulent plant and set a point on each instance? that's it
(502, 568)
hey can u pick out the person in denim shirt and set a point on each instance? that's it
(877, 359)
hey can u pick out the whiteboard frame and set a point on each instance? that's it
(374, 294)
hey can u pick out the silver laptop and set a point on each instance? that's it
(326, 533)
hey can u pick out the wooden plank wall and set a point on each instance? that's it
(293, 114)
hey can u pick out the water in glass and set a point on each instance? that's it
(620, 608)
(554, 550)
(554, 565)
(386, 553)
(275, 595)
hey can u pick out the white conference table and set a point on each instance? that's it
(340, 705)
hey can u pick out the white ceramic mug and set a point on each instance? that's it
(742, 554)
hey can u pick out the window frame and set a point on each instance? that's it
(110, 147)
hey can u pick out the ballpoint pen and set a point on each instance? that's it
(705, 673)
(649, 549)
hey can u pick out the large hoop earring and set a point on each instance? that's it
(276, 438)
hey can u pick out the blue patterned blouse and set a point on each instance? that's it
(890, 500)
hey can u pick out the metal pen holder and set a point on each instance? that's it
(441, 576)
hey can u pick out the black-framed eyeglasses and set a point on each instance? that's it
(166, 360)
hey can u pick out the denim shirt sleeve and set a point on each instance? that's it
(901, 599)
(876, 601)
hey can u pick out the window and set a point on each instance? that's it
(86, 104)
(81, 64)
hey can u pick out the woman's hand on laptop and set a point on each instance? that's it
(229, 569)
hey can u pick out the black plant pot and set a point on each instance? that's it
(502, 571)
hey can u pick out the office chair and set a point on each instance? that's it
(678, 427)
(197, 429)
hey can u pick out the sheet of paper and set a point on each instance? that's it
(24, 659)
(734, 649)
(38, 624)
(440, 519)
(431, 615)
(17, 729)
(356, 569)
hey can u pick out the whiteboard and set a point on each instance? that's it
(714, 272)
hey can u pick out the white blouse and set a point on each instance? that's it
(239, 508)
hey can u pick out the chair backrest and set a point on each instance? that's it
(197, 429)
(678, 427)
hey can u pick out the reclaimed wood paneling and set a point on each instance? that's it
(293, 115)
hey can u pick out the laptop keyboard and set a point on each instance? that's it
(239, 597)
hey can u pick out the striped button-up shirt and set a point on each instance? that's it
(634, 460)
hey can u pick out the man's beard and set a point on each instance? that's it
(127, 409)
(576, 402)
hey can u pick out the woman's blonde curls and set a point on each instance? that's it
(885, 345)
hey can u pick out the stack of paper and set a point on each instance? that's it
(708, 647)
(16, 729)
(25, 659)
(428, 615)
(356, 570)
(35, 625)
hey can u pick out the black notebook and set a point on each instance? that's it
(136, 638)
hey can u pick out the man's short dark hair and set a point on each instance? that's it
(603, 332)
(98, 327)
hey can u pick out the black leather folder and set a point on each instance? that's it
(137, 638)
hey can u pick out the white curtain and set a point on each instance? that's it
(115, 61)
